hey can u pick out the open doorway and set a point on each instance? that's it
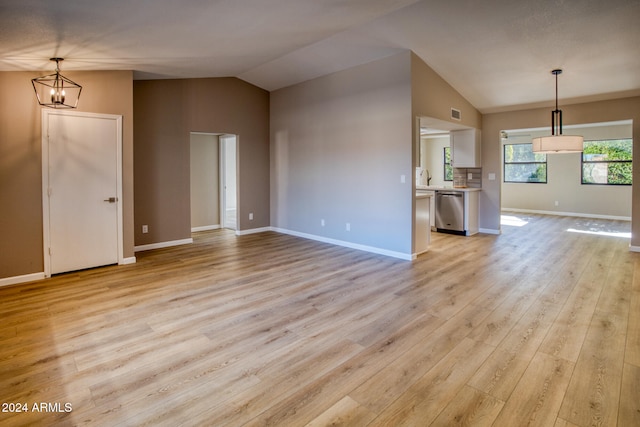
(595, 183)
(213, 181)
(433, 164)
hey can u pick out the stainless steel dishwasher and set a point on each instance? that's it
(450, 211)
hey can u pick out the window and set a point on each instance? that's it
(448, 170)
(607, 162)
(521, 164)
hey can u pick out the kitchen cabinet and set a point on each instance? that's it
(465, 148)
(432, 205)
(471, 208)
(422, 226)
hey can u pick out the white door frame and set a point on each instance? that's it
(223, 181)
(46, 113)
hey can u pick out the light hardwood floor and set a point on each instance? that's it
(538, 326)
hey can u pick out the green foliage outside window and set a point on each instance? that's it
(607, 162)
(521, 164)
(448, 170)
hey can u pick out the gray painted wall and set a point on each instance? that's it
(166, 112)
(339, 146)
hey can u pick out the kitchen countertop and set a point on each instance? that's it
(449, 188)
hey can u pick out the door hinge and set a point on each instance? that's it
(49, 191)
(50, 252)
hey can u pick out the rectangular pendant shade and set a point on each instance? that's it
(558, 144)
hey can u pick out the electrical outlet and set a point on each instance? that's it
(145, 228)
(251, 216)
(556, 203)
(322, 222)
(403, 179)
(348, 227)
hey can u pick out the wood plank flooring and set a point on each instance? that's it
(538, 326)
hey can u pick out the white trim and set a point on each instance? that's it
(572, 214)
(161, 245)
(366, 248)
(21, 279)
(634, 248)
(490, 231)
(128, 260)
(416, 254)
(205, 228)
(206, 133)
(221, 183)
(119, 180)
(46, 232)
(253, 231)
(46, 241)
(222, 180)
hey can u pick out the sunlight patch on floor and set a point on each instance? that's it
(512, 220)
(622, 234)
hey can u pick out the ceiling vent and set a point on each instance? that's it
(456, 114)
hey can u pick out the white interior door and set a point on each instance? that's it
(229, 191)
(83, 191)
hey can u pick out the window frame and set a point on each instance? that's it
(447, 166)
(583, 162)
(505, 163)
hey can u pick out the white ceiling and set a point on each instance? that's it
(497, 53)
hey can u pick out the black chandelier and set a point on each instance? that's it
(55, 90)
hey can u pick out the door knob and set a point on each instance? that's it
(111, 199)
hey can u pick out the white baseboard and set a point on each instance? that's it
(128, 260)
(634, 248)
(366, 248)
(205, 228)
(416, 254)
(573, 214)
(161, 245)
(253, 231)
(490, 231)
(21, 279)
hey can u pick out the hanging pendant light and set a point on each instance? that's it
(557, 142)
(55, 90)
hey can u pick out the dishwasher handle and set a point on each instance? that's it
(450, 194)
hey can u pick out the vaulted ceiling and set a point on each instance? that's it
(497, 53)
